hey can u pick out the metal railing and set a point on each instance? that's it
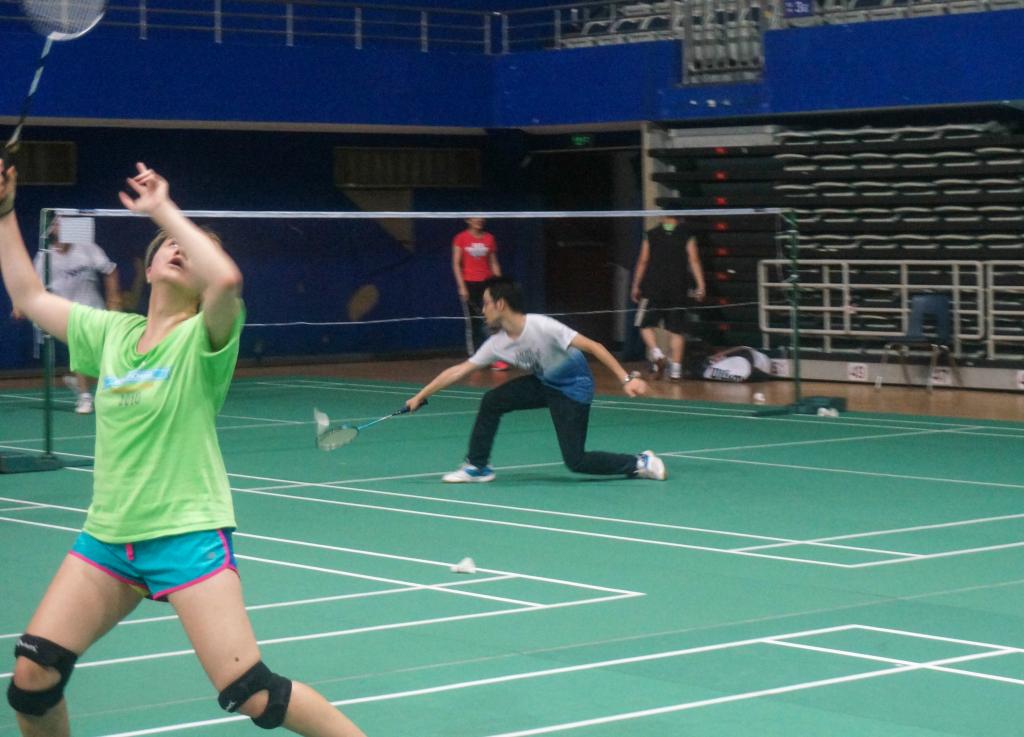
(1005, 286)
(574, 25)
(871, 298)
(293, 22)
(427, 28)
(829, 12)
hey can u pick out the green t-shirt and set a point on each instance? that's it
(158, 468)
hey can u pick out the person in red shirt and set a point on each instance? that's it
(474, 261)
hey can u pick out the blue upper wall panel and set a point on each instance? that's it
(926, 61)
(942, 60)
(103, 76)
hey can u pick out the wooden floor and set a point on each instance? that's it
(860, 397)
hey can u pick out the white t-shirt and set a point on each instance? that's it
(75, 274)
(543, 348)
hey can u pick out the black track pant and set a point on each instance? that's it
(569, 417)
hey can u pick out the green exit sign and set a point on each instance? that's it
(581, 140)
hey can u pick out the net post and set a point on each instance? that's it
(800, 405)
(793, 241)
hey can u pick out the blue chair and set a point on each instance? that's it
(924, 308)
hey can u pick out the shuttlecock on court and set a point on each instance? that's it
(759, 398)
(828, 412)
(466, 565)
(322, 420)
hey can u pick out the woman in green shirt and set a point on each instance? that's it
(160, 489)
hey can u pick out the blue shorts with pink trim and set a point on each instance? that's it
(159, 567)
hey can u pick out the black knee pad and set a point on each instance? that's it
(49, 655)
(259, 678)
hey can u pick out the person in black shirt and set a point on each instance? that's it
(668, 273)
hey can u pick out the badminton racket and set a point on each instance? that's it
(56, 20)
(641, 312)
(329, 438)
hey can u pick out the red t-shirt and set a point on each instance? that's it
(476, 255)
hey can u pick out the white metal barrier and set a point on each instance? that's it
(871, 298)
(1005, 286)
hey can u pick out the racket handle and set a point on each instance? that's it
(406, 410)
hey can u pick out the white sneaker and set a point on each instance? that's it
(84, 404)
(649, 466)
(657, 363)
(675, 372)
(469, 474)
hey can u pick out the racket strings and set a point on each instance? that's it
(336, 437)
(62, 20)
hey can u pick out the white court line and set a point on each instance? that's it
(337, 485)
(908, 557)
(45, 505)
(779, 542)
(500, 679)
(278, 487)
(619, 593)
(771, 640)
(541, 528)
(355, 551)
(744, 622)
(968, 430)
(830, 546)
(261, 424)
(936, 638)
(307, 602)
(32, 398)
(405, 558)
(408, 585)
(988, 653)
(353, 630)
(38, 524)
(356, 631)
(899, 661)
(732, 698)
(1015, 428)
(605, 404)
(361, 387)
(682, 454)
(715, 410)
(898, 530)
(823, 469)
(944, 554)
(823, 441)
(783, 542)
(264, 419)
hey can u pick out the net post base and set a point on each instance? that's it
(27, 463)
(806, 406)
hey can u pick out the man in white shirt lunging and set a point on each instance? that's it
(560, 380)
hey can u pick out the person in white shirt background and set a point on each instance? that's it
(76, 273)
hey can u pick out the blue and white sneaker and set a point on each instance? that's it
(469, 474)
(649, 466)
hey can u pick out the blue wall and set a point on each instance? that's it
(923, 61)
(295, 270)
(104, 76)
